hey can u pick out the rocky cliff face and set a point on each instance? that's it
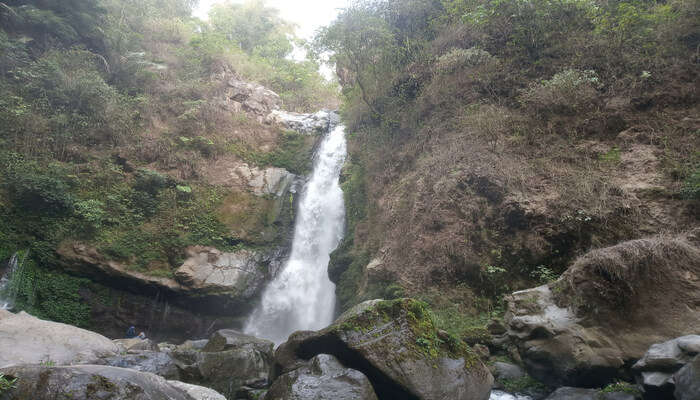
(247, 193)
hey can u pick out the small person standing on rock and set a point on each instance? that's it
(142, 336)
(131, 332)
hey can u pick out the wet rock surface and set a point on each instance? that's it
(322, 378)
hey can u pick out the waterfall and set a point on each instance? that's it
(7, 294)
(302, 297)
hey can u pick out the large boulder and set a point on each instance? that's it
(586, 328)
(231, 363)
(395, 344)
(324, 378)
(25, 339)
(91, 382)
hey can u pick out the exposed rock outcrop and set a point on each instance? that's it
(25, 339)
(231, 363)
(395, 344)
(607, 309)
(319, 122)
(324, 378)
(252, 97)
(96, 382)
(207, 270)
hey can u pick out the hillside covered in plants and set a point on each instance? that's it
(495, 141)
(120, 126)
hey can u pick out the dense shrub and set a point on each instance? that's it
(461, 58)
(40, 193)
(567, 92)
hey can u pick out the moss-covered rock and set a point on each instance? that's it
(397, 346)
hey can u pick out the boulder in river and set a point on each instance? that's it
(395, 344)
(323, 378)
(25, 339)
(589, 326)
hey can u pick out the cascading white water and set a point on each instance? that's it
(7, 299)
(302, 297)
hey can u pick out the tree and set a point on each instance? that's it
(257, 29)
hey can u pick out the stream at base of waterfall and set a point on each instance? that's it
(301, 296)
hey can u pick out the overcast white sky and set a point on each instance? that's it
(309, 15)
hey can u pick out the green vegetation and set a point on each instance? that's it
(457, 107)
(7, 383)
(49, 294)
(523, 384)
(421, 323)
(622, 387)
(109, 117)
(293, 153)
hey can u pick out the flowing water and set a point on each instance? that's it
(302, 297)
(6, 296)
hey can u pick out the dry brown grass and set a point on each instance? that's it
(618, 276)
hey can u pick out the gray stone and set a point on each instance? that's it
(382, 339)
(229, 339)
(687, 381)
(198, 392)
(229, 363)
(155, 362)
(324, 378)
(319, 122)
(254, 98)
(135, 344)
(210, 271)
(656, 379)
(503, 370)
(89, 382)
(670, 355)
(193, 344)
(25, 339)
